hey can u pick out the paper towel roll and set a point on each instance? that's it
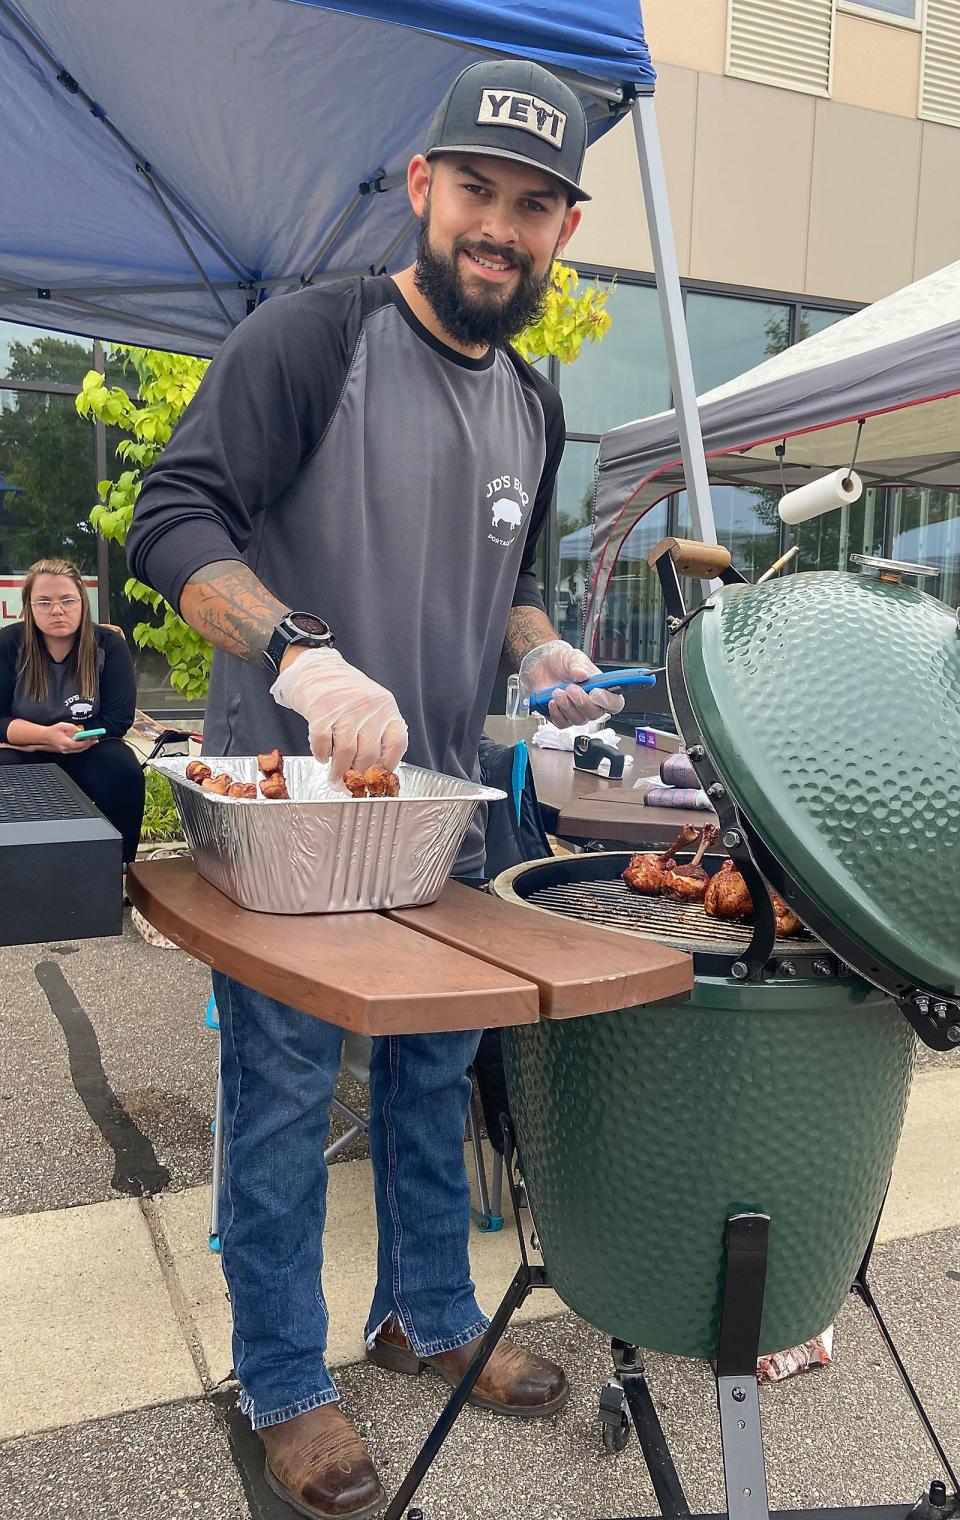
(823, 495)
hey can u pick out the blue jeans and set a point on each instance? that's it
(279, 1069)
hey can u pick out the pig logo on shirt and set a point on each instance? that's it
(506, 511)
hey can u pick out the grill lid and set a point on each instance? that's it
(827, 707)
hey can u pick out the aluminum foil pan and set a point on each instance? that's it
(324, 851)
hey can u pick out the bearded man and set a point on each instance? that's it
(349, 511)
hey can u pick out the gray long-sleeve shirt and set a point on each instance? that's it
(369, 474)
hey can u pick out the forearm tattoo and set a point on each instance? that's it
(227, 604)
(526, 628)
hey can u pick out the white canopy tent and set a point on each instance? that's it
(893, 367)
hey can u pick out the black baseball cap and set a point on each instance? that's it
(511, 108)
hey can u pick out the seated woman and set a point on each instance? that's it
(61, 673)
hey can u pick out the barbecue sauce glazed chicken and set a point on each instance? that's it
(689, 883)
(375, 781)
(645, 873)
(728, 896)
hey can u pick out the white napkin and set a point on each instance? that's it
(548, 736)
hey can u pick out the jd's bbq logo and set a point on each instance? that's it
(515, 108)
(506, 510)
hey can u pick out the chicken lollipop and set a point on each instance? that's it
(788, 924)
(727, 894)
(645, 873)
(271, 763)
(689, 883)
(198, 772)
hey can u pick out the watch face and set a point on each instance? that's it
(307, 623)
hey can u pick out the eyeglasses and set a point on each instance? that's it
(46, 604)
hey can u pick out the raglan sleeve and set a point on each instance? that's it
(118, 687)
(260, 410)
(527, 593)
(9, 654)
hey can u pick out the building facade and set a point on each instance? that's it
(812, 150)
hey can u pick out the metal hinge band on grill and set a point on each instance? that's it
(749, 966)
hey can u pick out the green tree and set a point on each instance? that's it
(48, 456)
(167, 384)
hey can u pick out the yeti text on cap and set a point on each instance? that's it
(515, 108)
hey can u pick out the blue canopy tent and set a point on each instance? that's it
(168, 166)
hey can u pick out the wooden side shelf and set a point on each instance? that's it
(578, 968)
(467, 961)
(357, 970)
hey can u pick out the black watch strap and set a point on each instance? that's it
(296, 628)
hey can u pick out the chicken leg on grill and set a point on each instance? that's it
(788, 923)
(689, 883)
(728, 897)
(645, 872)
(727, 894)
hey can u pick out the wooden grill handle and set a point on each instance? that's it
(705, 561)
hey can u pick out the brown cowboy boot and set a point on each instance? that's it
(513, 1381)
(318, 1464)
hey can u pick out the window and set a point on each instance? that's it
(625, 376)
(827, 542)
(573, 530)
(729, 335)
(904, 10)
(631, 630)
(47, 482)
(748, 524)
(816, 319)
(925, 530)
(31, 353)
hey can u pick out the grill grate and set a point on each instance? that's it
(682, 925)
(37, 795)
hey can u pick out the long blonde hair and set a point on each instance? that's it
(33, 657)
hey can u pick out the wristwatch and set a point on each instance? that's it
(296, 628)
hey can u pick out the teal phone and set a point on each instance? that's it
(90, 733)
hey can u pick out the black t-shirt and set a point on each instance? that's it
(111, 707)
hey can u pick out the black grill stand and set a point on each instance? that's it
(626, 1398)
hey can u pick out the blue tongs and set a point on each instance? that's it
(631, 676)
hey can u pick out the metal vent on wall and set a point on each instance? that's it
(789, 45)
(940, 64)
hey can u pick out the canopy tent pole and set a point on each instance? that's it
(671, 315)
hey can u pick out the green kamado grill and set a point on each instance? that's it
(822, 714)
(706, 1176)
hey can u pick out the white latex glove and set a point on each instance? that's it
(558, 664)
(351, 721)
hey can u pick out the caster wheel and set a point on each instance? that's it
(614, 1419)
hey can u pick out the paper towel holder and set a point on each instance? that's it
(780, 449)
